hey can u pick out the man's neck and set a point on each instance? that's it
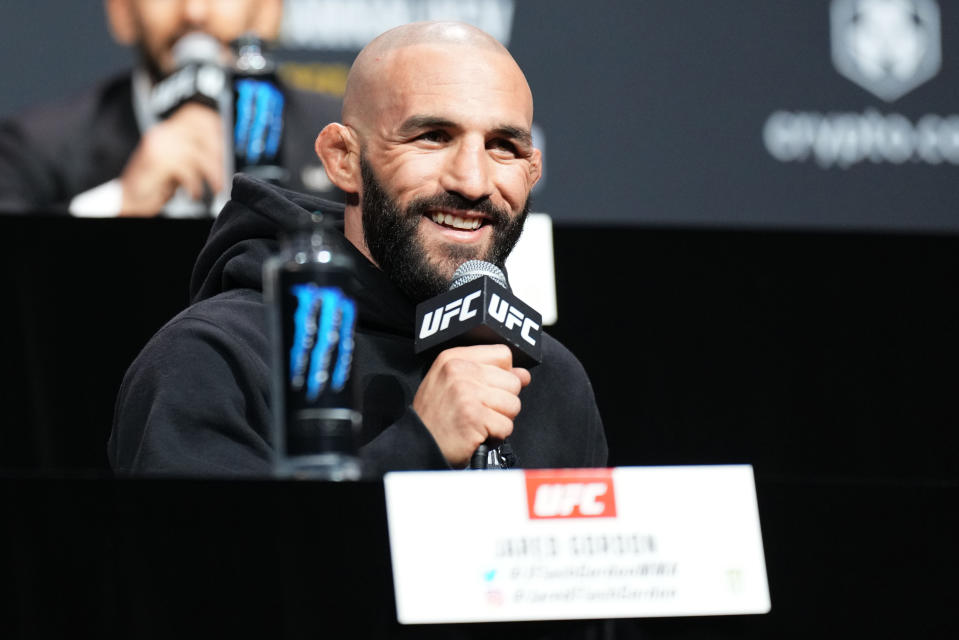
(353, 230)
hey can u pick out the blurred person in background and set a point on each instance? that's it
(103, 153)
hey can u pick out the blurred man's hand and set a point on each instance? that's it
(185, 150)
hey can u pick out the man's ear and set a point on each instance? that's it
(339, 151)
(121, 21)
(535, 167)
(267, 19)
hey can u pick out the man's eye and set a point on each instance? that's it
(433, 136)
(503, 145)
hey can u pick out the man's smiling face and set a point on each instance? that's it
(394, 241)
(448, 162)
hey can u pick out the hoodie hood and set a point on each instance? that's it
(246, 233)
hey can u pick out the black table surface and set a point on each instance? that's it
(154, 558)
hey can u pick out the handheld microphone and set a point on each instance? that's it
(200, 77)
(479, 308)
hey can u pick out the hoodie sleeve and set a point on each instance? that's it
(403, 446)
(195, 402)
(192, 403)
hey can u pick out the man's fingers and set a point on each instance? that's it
(210, 167)
(196, 168)
(525, 377)
(511, 380)
(188, 176)
(502, 402)
(498, 426)
(210, 145)
(495, 377)
(497, 355)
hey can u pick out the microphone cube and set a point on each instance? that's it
(480, 312)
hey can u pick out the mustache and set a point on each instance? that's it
(451, 200)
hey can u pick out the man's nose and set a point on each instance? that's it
(467, 172)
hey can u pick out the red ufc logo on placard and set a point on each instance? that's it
(585, 493)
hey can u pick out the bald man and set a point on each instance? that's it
(435, 155)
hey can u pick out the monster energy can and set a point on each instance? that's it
(312, 316)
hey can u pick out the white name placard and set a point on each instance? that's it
(627, 542)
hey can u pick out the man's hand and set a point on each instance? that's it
(185, 150)
(468, 395)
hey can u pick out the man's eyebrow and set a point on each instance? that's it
(519, 134)
(415, 123)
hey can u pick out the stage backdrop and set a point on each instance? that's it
(811, 114)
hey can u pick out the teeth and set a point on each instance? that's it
(457, 222)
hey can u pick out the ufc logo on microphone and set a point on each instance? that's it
(584, 493)
(511, 317)
(439, 320)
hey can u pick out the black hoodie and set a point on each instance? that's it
(196, 399)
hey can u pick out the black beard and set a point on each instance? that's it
(391, 236)
(153, 68)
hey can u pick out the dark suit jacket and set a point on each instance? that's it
(50, 154)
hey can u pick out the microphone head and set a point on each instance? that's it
(196, 47)
(473, 269)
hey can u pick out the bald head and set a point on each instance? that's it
(435, 152)
(431, 33)
(388, 59)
